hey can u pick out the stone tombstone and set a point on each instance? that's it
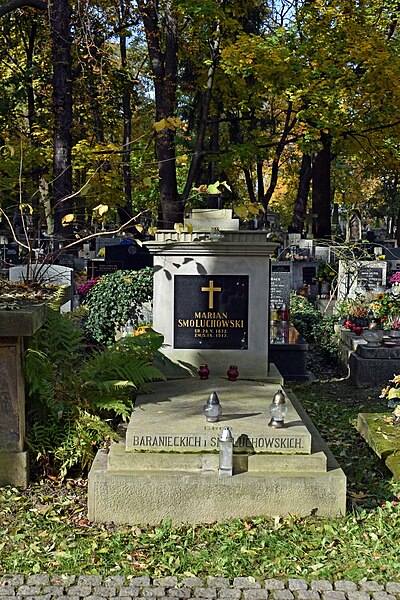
(370, 277)
(309, 274)
(57, 274)
(66, 259)
(365, 274)
(10, 253)
(281, 283)
(304, 272)
(211, 299)
(130, 254)
(294, 239)
(15, 325)
(103, 241)
(354, 229)
(202, 219)
(98, 267)
(322, 253)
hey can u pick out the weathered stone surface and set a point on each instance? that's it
(393, 587)
(343, 585)
(321, 585)
(371, 586)
(246, 583)
(383, 439)
(297, 584)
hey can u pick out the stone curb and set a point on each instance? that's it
(97, 587)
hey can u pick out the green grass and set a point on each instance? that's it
(44, 528)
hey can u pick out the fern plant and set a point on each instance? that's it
(76, 394)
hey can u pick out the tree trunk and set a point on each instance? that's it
(300, 204)
(164, 67)
(60, 17)
(125, 211)
(321, 189)
(206, 101)
(249, 185)
(278, 153)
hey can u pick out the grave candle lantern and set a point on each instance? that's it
(212, 409)
(225, 442)
(278, 411)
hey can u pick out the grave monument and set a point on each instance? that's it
(211, 302)
(357, 275)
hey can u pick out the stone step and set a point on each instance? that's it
(120, 460)
(138, 497)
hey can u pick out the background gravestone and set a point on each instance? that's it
(281, 283)
(361, 274)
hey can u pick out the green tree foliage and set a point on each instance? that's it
(183, 94)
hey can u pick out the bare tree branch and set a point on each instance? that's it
(15, 4)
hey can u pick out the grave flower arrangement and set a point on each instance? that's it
(84, 287)
(395, 278)
(391, 393)
(386, 307)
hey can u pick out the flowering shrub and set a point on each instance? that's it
(387, 308)
(395, 278)
(84, 287)
(357, 308)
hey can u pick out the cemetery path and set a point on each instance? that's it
(96, 587)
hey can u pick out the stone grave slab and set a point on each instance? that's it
(155, 426)
(365, 274)
(152, 476)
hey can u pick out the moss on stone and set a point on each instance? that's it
(383, 437)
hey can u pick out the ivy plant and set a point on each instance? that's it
(116, 298)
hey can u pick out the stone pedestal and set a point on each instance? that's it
(168, 464)
(14, 464)
(211, 300)
(368, 366)
(288, 352)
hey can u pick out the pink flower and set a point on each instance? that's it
(83, 289)
(395, 278)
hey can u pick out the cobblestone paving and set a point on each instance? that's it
(96, 587)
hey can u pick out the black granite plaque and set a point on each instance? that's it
(211, 311)
(370, 277)
(11, 254)
(99, 268)
(309, 275)
(281, 280)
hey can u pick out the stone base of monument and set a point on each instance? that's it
(368, 366)
(168, 465)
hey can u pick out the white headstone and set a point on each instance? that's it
(322, 253)
(56, 274)
(367, 275)
(202, 219)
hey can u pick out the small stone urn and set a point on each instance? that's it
(232, 373)
(203, 371)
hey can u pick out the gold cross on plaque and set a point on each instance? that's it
(211, 289)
